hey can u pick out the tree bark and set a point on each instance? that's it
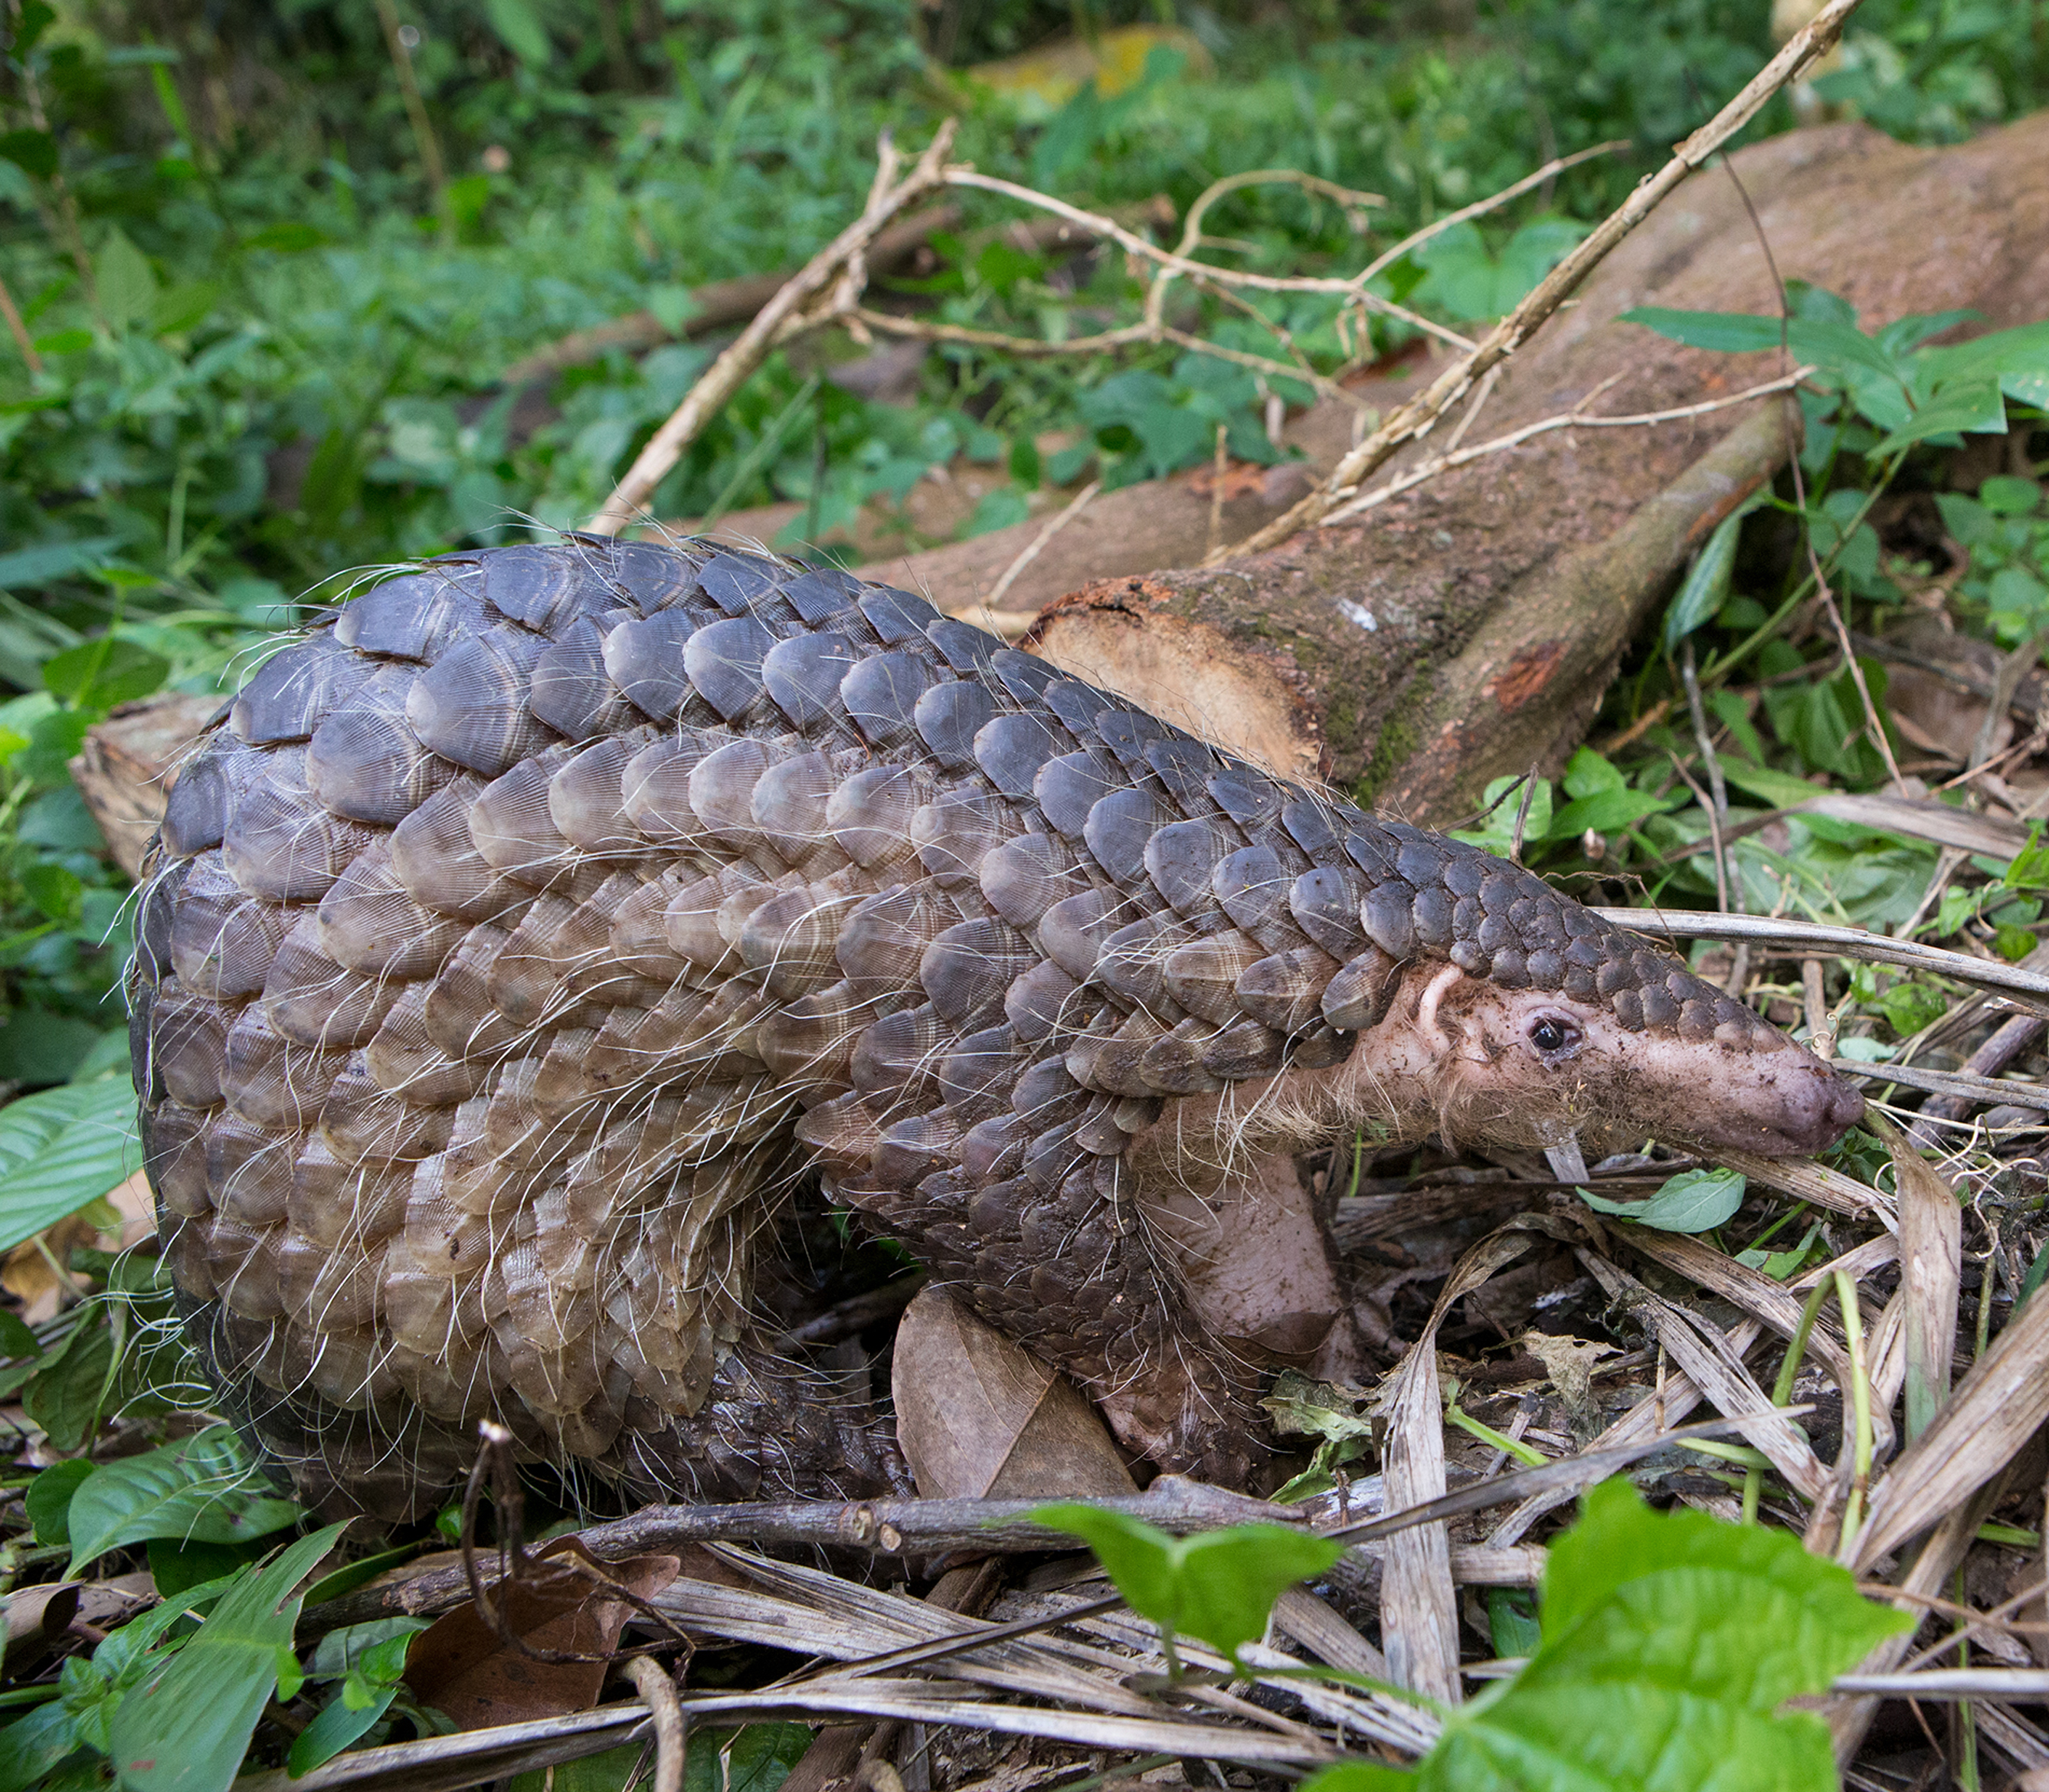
(1467, 628)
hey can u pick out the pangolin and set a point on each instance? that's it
(534, 924)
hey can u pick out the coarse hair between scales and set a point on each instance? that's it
(539, 919)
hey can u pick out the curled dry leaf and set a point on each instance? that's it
(465, 1666)
(978, 1414)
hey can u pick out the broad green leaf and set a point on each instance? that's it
(49, 1498)
(187, 1730)
(31, 1746)
(1728, 332)
(1635, 1737)
(28, 568)
(1499, 805)
(2005, 496)
(1693, 1201)
(335, 1727)
(65, 1395)
(1588, 774)
(1967, 408)
(1781, 789)
(201, 1489)
(518, 24)
(1669, 1640)
(59, 1150)
(1219, 1586)
(100, 673)
(1706, 584)
(16, 1339)
(2017, 359)
(1605, 811)
(126, 284)
(1796, 1621)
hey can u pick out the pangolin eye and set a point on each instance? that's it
(1552, 1035)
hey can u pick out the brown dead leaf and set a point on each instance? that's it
(1570, 1362)
(979, 1416)
(462, 1665)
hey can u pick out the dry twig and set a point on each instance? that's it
(1410, 421)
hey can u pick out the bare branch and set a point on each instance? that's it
(842, 256)
(1414, 420)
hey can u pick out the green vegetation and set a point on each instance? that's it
(261, 345)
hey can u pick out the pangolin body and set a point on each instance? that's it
(533, 924)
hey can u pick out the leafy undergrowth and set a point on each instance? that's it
(258, 364)
(1665, 1646)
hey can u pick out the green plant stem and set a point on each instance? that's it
(1719, 669)
(1846, 1299)
(756, 457)
(1781, 1390)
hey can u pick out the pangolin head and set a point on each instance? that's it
(1509, 1012)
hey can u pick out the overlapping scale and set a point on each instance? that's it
(530, 927)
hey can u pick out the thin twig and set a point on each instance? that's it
(1411, 420)
(1218, 467)
(1355, 502)
(1202, 272)
(1550, 171)
(726, 376)
(1037, 544)
(19, 330)
(416, 110)
(1804, 937)
(651, 1681)
(1728, 877)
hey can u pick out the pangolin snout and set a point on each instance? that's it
(1795, 1106)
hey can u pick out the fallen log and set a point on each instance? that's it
(1467, 628)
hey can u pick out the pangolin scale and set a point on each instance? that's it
(533, 924)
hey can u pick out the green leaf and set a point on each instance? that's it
(98, 674)
(1732, 333)
(1516, 1631)
(59, 1150)
(1605, 811)
(2005, 496)
(49, 1496)
(1693, 1201)
(1967, 408)
(175, 1566)
(127, 283)
(1781, 789)
(2018, 360)
(1219, 1586)
(187, 1730)
(16, 1340)
(31, 1746)
(26, 568)
(1836, 347)
(200, 1488)
(1668, 1642)
(1707, 582)
(289, 236)
(34, 152)
(65, 1393)
(334, 1729)
(518, 24)
(1737, 1613)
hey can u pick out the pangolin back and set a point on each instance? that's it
(531, 924)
